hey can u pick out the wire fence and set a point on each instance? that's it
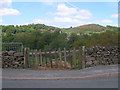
(13, 46)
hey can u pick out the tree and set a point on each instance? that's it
(73, 37)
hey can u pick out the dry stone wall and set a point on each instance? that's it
(102, 56)
(93, 56)
(12, 59)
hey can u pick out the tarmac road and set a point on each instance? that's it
(95, 77)
(83, 83)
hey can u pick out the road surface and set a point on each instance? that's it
(95, 77)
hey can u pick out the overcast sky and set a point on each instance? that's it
(59, 14)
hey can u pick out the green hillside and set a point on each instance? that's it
(90, 28)
(40, 36)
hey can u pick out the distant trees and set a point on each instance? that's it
(40, 36)
(108, 38)
(73, 37)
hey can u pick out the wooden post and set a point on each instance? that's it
(83, 57)
(28, 61)
(80, 57)
(74, 56)
(50, 57)
(65, 58)
(45, 58)
(26, 57)
(32, 61)
(70, 57)
(60, 56)
(56, 58)
(40, 57)
(36, 57)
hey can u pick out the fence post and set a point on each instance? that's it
(28, 51)
(56, 60)
(50, 57)
(70, 57)
(74, 57)
(65, 57)
(40, 57)
(80, 57)
(45, 58)
(26, 57)
(36, 58)
(83, 57)
(33, 56)
(60, 55)
(29, 61)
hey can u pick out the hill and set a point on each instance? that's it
(89, 28)
(40, 36)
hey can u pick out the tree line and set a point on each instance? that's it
(40, 36)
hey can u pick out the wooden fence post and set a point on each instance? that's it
(56, 58)
(33, 56)
(36, 57)
(60, 55)
(65, 58)
(45, 60)
(83, 57)
(28, 52)
(70, 57)
(74, 57)
(80, 58)
(29, 61)
(40, 57)
(50, 57)
(26, 57)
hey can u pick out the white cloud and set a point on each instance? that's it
(1, 21)
(84, 14)
(5, 8)
(42, 21)
(103, 21)
(106, 21)
(63, 10)
(70, 16)
(5, 3)
(9, 11)
(61, 22)
(116, 25)
(48, 3)
(66, 19)
(114, 16)
(67, 22)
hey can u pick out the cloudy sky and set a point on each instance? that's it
(59, 14)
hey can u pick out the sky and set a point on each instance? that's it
(59, 14)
